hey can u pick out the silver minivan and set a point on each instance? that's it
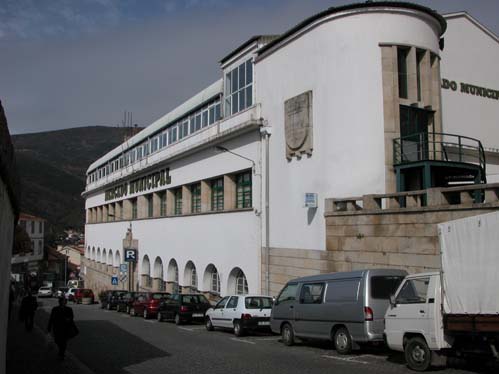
(347, 308)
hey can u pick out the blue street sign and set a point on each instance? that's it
(123, 268)
(114, 281)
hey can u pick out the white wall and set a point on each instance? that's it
(226, 240)
(471, 56)
(205, 164)
(6, 238)
(340, 61)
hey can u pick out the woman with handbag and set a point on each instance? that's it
(62, 323)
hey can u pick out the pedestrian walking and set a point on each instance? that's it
(61, 322)
(27, 310)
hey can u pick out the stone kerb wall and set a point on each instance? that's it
(399, 230)
(98, 276)
(396, 230)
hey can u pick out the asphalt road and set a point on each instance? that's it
(111, 342)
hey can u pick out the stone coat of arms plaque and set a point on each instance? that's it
(298, 125)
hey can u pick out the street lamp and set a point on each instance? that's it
(66, 268)
(223, 149)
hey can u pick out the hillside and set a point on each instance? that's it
(52, 167)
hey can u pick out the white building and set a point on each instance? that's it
(315, 112)
(35, 228)
(470, 89)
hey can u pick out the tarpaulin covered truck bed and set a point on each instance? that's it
(470, 273)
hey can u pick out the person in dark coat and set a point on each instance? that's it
(27, 310)
(62, 324)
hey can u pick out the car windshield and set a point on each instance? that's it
(194, 299)
(384, 286)
(258, 302)
(159, 296)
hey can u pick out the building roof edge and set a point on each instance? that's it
(367, 4)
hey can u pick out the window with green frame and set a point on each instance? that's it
(217, 194)
(134, 208)
(196, 198)
(162, 203)
(178, 201)
(149, 206)
(243, 190)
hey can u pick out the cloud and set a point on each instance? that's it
(67, 65)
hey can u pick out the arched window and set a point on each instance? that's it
(215, 281)
(241, 284)
(237, 282)
(194, 278)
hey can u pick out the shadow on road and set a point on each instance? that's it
(106, 348)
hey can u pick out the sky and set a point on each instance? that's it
(71, 63)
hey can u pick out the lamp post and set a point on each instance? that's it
(265, 132)
(223, 149)
(66, 268)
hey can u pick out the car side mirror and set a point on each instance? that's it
(393, 302)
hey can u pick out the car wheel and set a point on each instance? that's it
(417, 354)
(288, 336)
(160, 317)
(178, 321)
(238, 328)
(146, 315)
(342, 341)
(209, 324)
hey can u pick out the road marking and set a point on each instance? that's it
(242, 341)
(150, 321)
(272, 338)
(185, 328)
(351, 359)
(125, 315)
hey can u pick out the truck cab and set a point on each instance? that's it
(413, 321)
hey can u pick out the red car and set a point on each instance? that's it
(83, 293)
(146, 304)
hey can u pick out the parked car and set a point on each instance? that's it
(111, 298)
(125, 302)
(183, 308)
(83, 293)
(70, 294)
(241, 313)
(45, 291)
(61, 291)
(347, 308)
(147, 304)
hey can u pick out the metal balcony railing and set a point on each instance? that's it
(435, 146)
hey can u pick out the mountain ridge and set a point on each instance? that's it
(52, 168)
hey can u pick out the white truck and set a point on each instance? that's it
(454, 312)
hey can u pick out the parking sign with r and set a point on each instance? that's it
(131, 255)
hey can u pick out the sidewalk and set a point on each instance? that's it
(35, 352)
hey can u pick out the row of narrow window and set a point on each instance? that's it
(243, 199)
(238, 95)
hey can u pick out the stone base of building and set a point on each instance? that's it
(396, 230)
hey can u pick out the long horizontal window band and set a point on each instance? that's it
(155, 204)
(202, 117)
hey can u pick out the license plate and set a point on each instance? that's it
(263, 323)
(197, 315)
